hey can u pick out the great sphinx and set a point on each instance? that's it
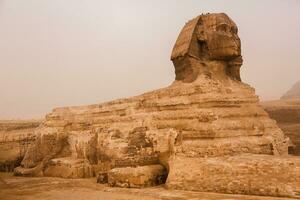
(206, 130)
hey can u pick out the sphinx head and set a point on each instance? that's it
(208, 44)
(220, 35)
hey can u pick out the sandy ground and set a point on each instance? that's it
(45, 188)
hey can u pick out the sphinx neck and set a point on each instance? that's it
(189, 69)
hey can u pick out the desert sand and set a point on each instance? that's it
(37, 188)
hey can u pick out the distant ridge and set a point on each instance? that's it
(293, 93)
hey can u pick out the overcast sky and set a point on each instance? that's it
(72, 52)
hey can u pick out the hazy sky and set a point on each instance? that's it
(72, 52)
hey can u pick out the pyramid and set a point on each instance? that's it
(293, 93)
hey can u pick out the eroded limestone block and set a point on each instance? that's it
(242, 174)
(137, 177)
(68, 168)
(34, 171)
(15, 138)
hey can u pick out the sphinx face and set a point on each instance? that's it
(220, 35)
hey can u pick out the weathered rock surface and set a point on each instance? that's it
(137, 177)
(287, 114)
(243, 174)
(15, 137)
(207, 113)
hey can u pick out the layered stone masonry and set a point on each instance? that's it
(15, 138)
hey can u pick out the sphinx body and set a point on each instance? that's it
(201, 129)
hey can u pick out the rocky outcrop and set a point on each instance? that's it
(15, 137)
(293, 93)
(206, 114)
